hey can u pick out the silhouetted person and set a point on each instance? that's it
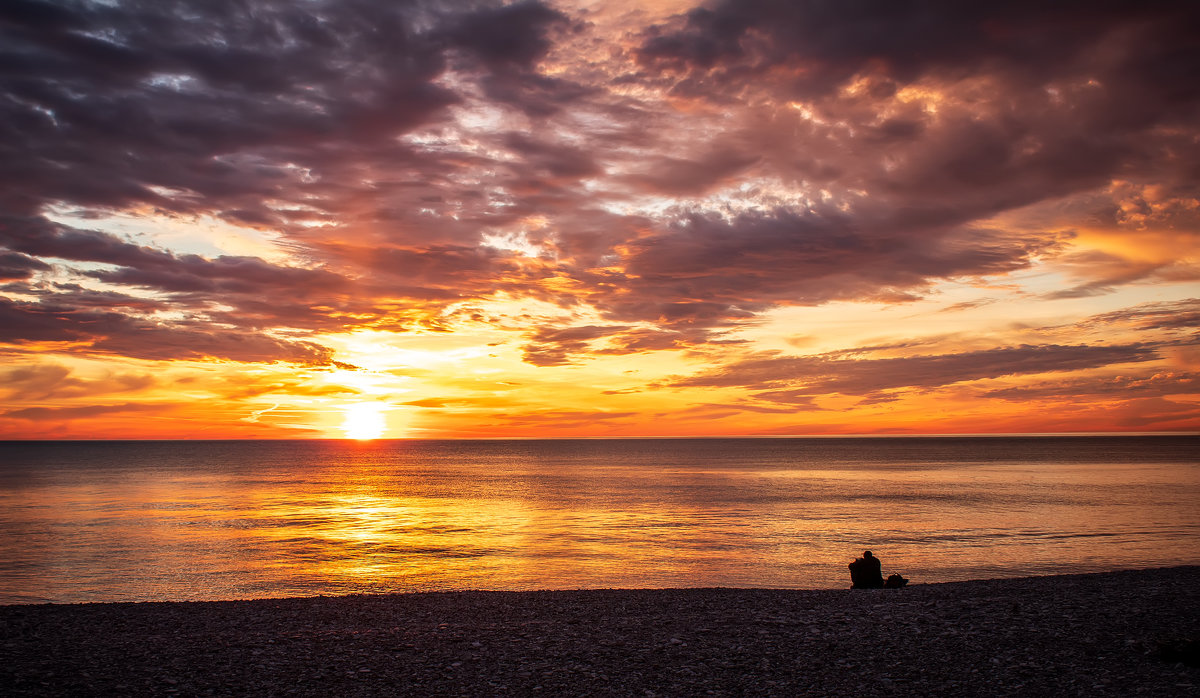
(866, 572)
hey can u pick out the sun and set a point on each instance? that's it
(364, 421)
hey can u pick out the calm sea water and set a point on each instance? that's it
(108, 521)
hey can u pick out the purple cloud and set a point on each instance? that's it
(753, 154)
(789, 378)
(110, 332)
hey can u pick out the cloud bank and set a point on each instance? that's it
(249, 183)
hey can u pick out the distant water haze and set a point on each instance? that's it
(172, 520)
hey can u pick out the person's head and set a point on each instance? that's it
(867, 553)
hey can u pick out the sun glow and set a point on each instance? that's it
(364, 421)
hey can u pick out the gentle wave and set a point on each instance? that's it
(104, 521)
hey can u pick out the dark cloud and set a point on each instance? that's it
(15, 266)
(222, 275)
(1009, 106)
(555, 347)
(252, 286)
(266, 116)
(460, 269)
(829, 43)
(223, 105)
(509, 35)
(1181, 315)
(38, 414)
(1028, 101)
(110, 332)
(641, 340)
(189, 343)
(256, 294)
(76, 296)
(1155, 384)
(743, 265)
(38, 236)
(551, 346)
(555, 160)
(788, 378)
(201, 96)
(507, 41)
(678, 176)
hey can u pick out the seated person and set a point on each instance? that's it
(866, 572)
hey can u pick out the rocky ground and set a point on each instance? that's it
(1115, 634)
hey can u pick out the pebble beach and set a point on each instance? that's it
(1118, 633)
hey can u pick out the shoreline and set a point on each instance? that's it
(1109, 633)
(553, 590)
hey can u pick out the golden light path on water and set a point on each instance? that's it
(218, 520)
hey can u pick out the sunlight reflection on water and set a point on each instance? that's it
(220, 520)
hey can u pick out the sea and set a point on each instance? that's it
(89, 521)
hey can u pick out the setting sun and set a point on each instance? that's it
(364, 421)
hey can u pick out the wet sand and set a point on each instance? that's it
(1112, 634)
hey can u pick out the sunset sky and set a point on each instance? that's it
(358, 218)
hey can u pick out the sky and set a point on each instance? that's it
(600, 218)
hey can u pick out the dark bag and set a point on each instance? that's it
(895, 582)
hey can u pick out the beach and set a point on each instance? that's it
(1117, 633)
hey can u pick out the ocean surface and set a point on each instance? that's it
(191, 520)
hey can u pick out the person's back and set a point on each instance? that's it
(858, 575)
(866, 572)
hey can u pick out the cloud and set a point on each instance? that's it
(216, 181)
(253, 288)
(1180, 315)
(15, 266)
(565, 418)
(790, 378)
(693, 176)
(904, 129)
(833, 43)
(293, 116)
(1107, 271)
(39, 414)
(507, 35)
(121, 91)
(554, 347)
(280, 386)
(440, 403)
(35, 235)
(1122, 387)
(557, 160)
(266, 118)
(115, 333)
(743, 265)
(36, 382)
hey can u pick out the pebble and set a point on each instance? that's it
(612, 642)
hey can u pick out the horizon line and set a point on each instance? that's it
(982, 435)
